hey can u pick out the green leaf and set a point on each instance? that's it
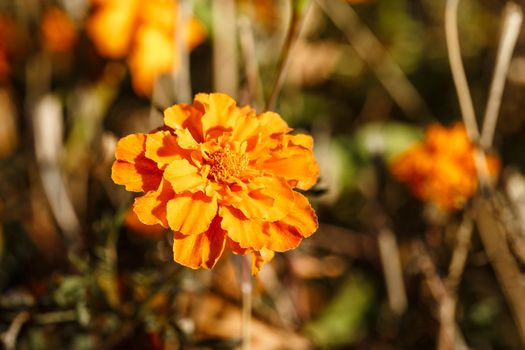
(342, 321)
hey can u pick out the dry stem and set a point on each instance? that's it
(458, 71)
(511, 27)
(372, 52)
(246, 290)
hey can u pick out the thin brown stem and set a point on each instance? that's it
(181, 69)
(247, 45)
(393, 270)
(293, 34)
(373, 53)
(458, 70)
(513, 18)
(460, 253)
(246, 290)
(225, 65)
(10, 337)
(450, 336)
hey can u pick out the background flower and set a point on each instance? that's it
(441, 169)
(142, 31)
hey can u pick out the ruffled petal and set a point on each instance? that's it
(184, 116)
(191, 214)
(272, 123)
(131, 168)
(295, 163)
(200, 250)
(221, 112)
(184, 177)
(267, 198)
(302, 217)
(259, 258)
(185, 139)
(162, 147)
(151, 208)
(247, 128)
(248, 233)
(282, 237)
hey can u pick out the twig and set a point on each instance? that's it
(294, 33)
(10, 336)
(507, 271)
(513, 18)
(372, 52)
(393, 271)
(225, 65)
(47, 129)
(56, 317)
(460, 253)
(246, 290)
(247, 45)
(458, 71)
(450, 336)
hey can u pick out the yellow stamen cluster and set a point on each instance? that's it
(226, 164)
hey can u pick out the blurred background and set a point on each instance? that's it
(365, 78)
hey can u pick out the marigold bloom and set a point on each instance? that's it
(221, 176)
(142, 31)
(442, 169)
(58, 31)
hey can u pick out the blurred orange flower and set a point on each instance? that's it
(441, 170)
(142, 31)
(7, 35)
(132, 222)
(58, 31)
(221, 176)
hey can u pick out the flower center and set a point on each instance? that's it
(226, 164)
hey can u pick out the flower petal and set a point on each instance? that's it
(268, 198)
(259, 258)
(191, 213)
(272, 123)
(132, 168)
(184, 116)
(302, 217)
(184, 177)
(295, 163)
(162, 147)
(282, 237)
(185, 139)
(200, 250)
(248, 233)
(221, 111)
(151, 208)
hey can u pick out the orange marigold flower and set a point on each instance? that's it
(441, 170)
(58, 31)
(220, 176)
(142, 31)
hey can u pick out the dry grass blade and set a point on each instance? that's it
(47, 128)
(226, 75)
(513, 18)
(492, 234)
(373, 53)
(458, 70)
